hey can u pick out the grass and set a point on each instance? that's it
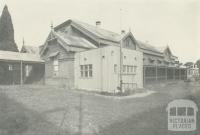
(150, 122)
(15, 119)
(96, 113)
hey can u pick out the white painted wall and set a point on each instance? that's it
(103, 60)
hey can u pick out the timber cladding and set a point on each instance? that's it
(7, 76)
(65, 66)
(65, 74)
(10, 72)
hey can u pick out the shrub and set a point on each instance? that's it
(106, 93)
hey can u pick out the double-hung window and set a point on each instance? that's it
(86, 71)
(90, 70)
(55, 66)
(10, 67)
(129, 69)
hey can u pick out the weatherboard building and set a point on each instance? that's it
(16, 67)
(87, 57)
(84, 56)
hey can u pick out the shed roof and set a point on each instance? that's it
(16, 56)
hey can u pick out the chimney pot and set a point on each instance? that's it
(98, 24)
(123, 32)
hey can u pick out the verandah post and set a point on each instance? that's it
(165, 73)
(179, 74)
(156, 73)
(21, 72)
(144, 75)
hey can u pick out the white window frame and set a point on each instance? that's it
(55, 66)
(129, 69)
(90, 70)
(27, 70)
(86, 71)
(10, 67)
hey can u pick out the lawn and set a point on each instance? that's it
(151, 122)
(15, 119)
(77, 111)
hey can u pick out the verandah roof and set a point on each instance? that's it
(16, 56)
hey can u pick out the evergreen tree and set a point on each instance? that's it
(7, 41)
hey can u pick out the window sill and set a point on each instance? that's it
(128, 73)
(85, 77)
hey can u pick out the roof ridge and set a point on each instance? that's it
(77, 21)
(98, 32)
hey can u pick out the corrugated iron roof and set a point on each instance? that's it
(147, 46)
(102, 34)
(161, 48)
(99, 32)
(111, 36)
(16, 56)
(75, 41)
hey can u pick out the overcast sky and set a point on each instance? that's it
(160, 22)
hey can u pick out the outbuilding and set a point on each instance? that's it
(20, 68)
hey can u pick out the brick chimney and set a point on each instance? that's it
(123, 32)
(98, 24)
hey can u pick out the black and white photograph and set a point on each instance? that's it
(99, 67)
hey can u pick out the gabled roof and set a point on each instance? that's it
(30, 49)
(93, 30)
(68, 42)
(74, 41)
(99, 32)
(100, 36)
(161, 48)
(16, 56)
(148, 47)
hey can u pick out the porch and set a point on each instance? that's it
(153, 74)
